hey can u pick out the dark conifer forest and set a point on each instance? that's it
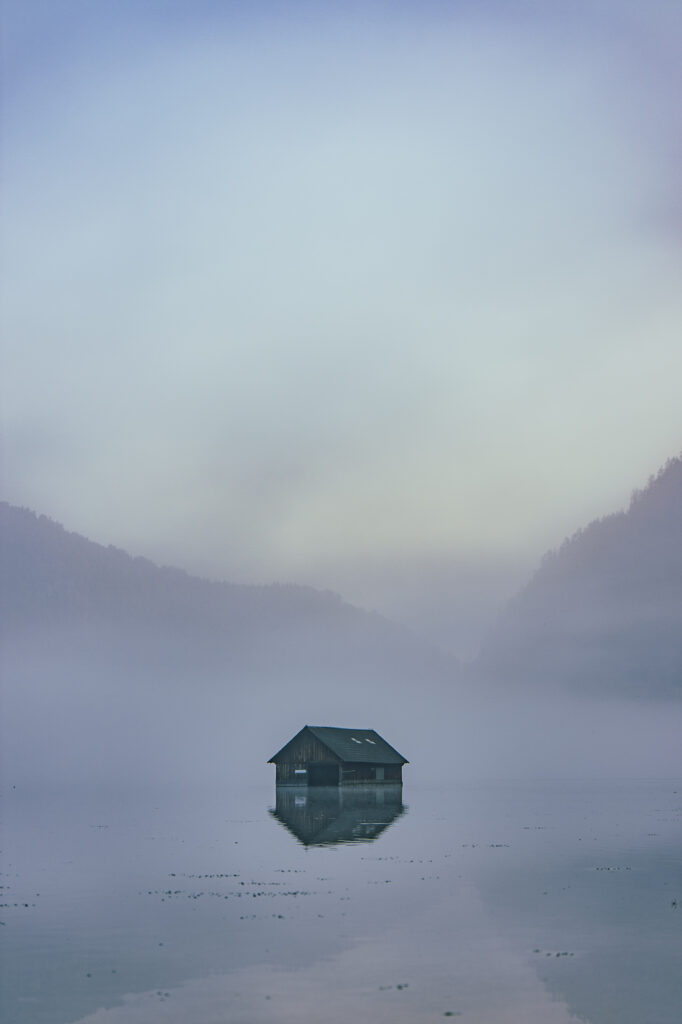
(603, 612)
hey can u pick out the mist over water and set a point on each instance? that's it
(497, 902)
(528, 869)
(149, 727)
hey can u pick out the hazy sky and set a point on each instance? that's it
(384, 297)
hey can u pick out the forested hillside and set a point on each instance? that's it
(61, 592)
(114, 668)
(603, 613)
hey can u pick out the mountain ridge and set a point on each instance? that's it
(603, 612)
(58, 583)
(115, 669)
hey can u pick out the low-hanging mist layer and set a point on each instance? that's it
(116, 669)
(603, 613)
(114, 665)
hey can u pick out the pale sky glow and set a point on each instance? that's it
(314, 292)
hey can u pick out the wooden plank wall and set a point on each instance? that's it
(302, 750)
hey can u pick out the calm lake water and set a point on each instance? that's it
(494, 902)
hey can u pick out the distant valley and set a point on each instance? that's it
(602, 614)
(116, 669)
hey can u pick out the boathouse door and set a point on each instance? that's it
(323, 775)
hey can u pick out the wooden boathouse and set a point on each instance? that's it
(326, 756)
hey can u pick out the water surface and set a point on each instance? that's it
(491, 903)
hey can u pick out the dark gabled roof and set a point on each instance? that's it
(358, 745)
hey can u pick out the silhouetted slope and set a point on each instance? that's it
(115, 670)
(60, 592)
(604, 611)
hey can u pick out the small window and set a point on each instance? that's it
(354, 740)
(300, 771)
(368, 740)
(380, 774)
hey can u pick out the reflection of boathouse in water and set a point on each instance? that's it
(328, 815)
(324, 756)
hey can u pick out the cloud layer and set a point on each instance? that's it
(360, 285)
